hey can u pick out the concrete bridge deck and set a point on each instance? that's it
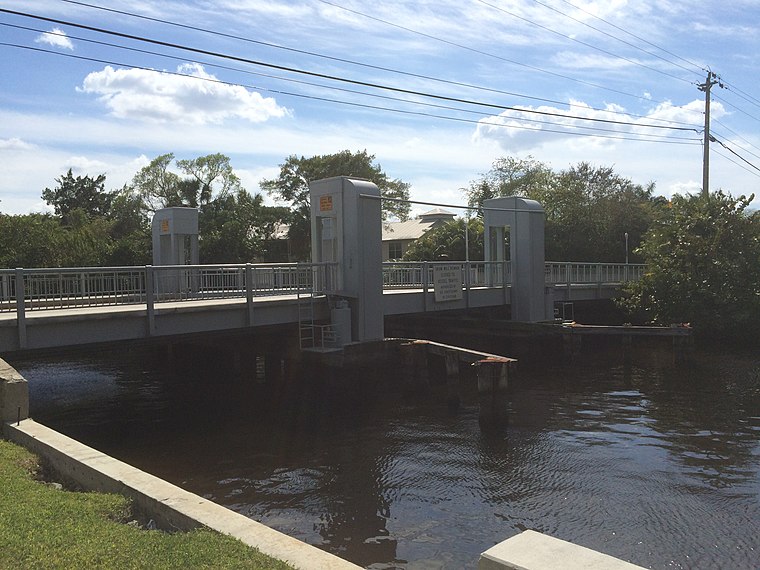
(74, 306)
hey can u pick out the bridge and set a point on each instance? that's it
(342, 296)
(54, 307)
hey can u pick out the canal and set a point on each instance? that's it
(651, 463)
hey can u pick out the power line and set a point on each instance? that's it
(581, 42)
(737, 135)
(729, 149)
(697, 66)
(344, 60)
(553, 9)
(485, 53)
(737, 108)
(734, 162)
(287, 79)
(333, 77)
(640, 138)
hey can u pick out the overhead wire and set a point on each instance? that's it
(737, 135)
(334, 77)
(581, 42)
(628, 32)
(664, 139)
(734, 162)
(485, 53)
(339, 59)
(722, 100)
(736, 154)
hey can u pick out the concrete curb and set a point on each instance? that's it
(171, 506)
(531, 550)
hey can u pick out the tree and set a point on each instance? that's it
(292, 185)
(701, 255)
(32, 240)
(158, 186)
(235, 228)
(509, 176)
(448, 242)
(588, 209)
(81, 193)
(213, 174)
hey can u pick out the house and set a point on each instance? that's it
(397, 236)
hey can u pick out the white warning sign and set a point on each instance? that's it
(447, 282)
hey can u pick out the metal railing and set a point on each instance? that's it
(78, 287)
(419, 274)
(565, 273)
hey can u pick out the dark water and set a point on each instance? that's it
(650, 463)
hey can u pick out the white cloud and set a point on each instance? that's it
(14, 144)
(529, 127)
(192, 97)
(56, 38)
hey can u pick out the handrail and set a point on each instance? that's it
(76, 287)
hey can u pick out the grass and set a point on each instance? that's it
(44, 527)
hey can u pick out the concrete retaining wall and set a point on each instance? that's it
(170, 506)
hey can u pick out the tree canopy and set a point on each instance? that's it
(292, 186)
(588, 209)
(702, 266)
(95, 227)
(78, 193)
(448, 242)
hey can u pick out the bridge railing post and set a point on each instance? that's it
(425, 284)
(599, 280)
(506, 279)
(20, 307)
(150, 299)
(467, 279)
(249, 273)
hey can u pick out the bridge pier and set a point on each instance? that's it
(414, 356)
(493, 383)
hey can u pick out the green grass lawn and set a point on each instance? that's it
(44, 527)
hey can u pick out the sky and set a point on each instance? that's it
(436, 90)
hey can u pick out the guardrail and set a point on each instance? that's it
(419, 274)
(564, 273)
(77, 287)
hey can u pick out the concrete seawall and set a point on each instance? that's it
(171, 507)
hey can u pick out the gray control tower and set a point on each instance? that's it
(346, 227)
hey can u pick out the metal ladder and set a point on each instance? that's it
(311, 336)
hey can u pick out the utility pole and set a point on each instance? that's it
(712, 79)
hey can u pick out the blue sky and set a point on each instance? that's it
(98, 108)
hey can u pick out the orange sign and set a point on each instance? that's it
(325, 203)
(165, 226)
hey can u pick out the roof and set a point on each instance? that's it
(411, 229)
(437, 213)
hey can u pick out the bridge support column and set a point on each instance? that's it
(493, 382)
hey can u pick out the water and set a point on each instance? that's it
(646, 462)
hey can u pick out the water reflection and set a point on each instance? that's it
(650, 463)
